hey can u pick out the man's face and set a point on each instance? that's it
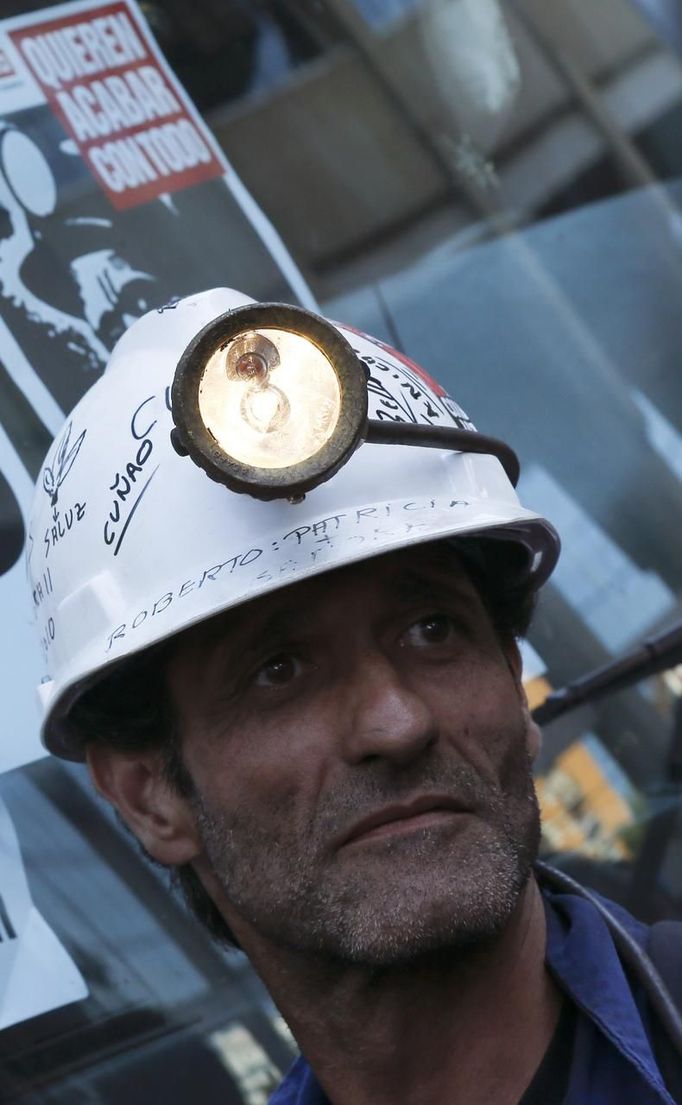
(357, 744)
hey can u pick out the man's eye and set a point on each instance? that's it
(436, 629)
(278, 671)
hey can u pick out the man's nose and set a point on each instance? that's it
(385, 715)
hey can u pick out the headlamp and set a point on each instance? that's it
(271, 400)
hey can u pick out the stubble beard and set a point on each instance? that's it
(436, 890)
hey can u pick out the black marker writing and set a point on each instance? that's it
(55, 473)
(109, 536)
(138, 419)
(158, 605)
(42, 587)
(62, 523)
(409, 398)
(170, 306)
(318, 528)
(126, 486)
(47, 636)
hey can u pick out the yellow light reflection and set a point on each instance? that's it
(275, 420)
(537, 690)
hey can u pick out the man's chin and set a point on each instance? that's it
(421, 916)
(413, 936)
(427, 901)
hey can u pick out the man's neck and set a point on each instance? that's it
(470, 1027)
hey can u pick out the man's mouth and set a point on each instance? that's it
(401, 818)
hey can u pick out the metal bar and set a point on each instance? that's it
(634, 167)
(654, 655)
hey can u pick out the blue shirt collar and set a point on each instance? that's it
(583, 959)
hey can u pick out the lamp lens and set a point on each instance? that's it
(270, 398)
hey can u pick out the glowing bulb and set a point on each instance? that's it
(270, 398)
(265, 409)
(251, 366)
(250, 356)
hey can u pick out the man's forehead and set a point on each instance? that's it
(399, 576)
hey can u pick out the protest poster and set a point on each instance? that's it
(114, 200)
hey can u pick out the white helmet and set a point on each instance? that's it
(130, 543)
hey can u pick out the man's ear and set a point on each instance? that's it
(136, 786)
(533, 735)
(533, 732)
